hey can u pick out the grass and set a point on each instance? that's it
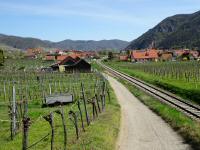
(186, 90)
(189, 129)
(101, 134)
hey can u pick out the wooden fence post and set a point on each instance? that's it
(4, 90)
(94, 107)
(61, 112)
(84, 102)
(108, 92)
(52, 130)
(97, 100)
(79, 107)
(26, 124)
(13, 122)
(75, 121)
(49, 88)
(103, 96)
(49, 118)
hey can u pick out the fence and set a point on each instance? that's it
(89, 92)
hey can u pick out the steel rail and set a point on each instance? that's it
(191, 110)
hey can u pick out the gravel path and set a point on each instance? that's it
(141, 129)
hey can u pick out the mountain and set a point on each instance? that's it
(24, 43)
(179, 31)
(91, 45)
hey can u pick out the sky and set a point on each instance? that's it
(57, 20)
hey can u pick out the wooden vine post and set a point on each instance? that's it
(85, 105)
(61, 112)
(4, 90)
(97, 101)
(94, 108)
(74, 119)
(26, 124)
(103, 96)
(13, 121)
(49, 118)
(79, 107)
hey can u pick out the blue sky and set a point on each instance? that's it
(57, 20)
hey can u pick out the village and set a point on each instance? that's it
(77, 60)
(64, 60)
(155, 55)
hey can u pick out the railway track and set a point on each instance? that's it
(188, 108)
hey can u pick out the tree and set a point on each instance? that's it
(1, 57)
(110, 55)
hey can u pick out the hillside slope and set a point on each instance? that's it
(179, 31)
(24, 43)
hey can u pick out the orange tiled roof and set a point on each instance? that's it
(62, 57)
(148, 54)
(48, 57)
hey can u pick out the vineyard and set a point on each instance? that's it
(26, 121)
(182, 78)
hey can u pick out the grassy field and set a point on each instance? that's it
(181, 78)
(186, 127)
(32, 86)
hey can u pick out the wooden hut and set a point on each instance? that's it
(72, 64)
(80, 66)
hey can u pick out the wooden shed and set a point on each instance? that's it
(79, 66)
(72, 64)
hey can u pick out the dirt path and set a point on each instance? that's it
(141, 129)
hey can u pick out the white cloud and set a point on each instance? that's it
(77, 8)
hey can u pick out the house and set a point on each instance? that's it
(90, 54)
(30, 55)
(80, 66)
(186, 54)
(123, 57)
(178, 53)
(63, 60)
(72, 55)
(70, 64)
(61, 57)
(165, 56)
(50, 57)
(144, 55)
(194, 54)
(33, 53)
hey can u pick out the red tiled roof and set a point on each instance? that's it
(67, 59)
(62, 57)
(148, 54)
(49, 57)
